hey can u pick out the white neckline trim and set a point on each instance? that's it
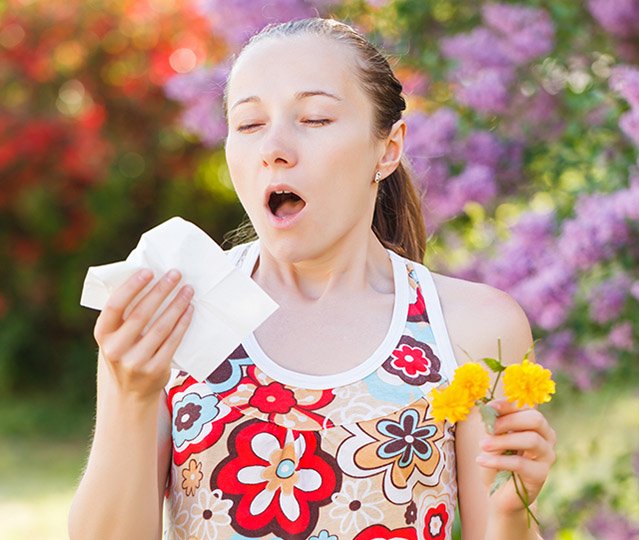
(359, 372)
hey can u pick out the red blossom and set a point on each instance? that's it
(381, 532)
(273, 398)
(435, 522)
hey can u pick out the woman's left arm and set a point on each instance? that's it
(525, 431)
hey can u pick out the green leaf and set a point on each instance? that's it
(500, 479)
(488, 415)
(494, 365)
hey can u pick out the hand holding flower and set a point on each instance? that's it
(521, 448)
(520, 441)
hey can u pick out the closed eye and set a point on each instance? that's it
(247, 127)
(321, 121)
(311, 121)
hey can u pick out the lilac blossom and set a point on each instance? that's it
(477, 49)
(530, 247)
(625, 80)
(619, 17)
(201, 91)
(428, 138)
(598, 357)
(608, 298)
(475, 183)
(206, 119)
(556, 349)
(483, 148)
(528, 32)
(607, 524)
(548, 295)
(629, 124)
(634, 290)
(539, 116)
(597, 230)
(209, 82)
(485, 90)
(238, 20)
(621, 336)
(488, 56)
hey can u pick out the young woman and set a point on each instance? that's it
(318, 426)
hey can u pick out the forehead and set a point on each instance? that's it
(279, 66)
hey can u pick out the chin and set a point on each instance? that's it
(293, 248)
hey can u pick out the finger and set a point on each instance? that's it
(111, 316)
(146, 308)
(503, 406)
(148, 345)
(166, 352)
(530, 442)
(531, 470)
(525, 420)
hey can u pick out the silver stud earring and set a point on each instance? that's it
(378, 177)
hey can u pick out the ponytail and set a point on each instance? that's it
(398, 221)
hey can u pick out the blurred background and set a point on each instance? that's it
(523, 135)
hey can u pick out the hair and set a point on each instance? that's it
(397, 220)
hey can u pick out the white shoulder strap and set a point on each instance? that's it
(437, 322)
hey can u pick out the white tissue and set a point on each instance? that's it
(228, 304)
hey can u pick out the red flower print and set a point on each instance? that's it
(414, 362)
(277, 479)
(380, 532)
(417, 310)
(410, 359)
(435, 522)
(273, 398)
(258, 395)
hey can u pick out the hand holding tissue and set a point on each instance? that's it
(228, 304)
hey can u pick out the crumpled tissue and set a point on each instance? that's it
(228, 304)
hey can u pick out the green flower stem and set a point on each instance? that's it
(492, 391)
(524, 499)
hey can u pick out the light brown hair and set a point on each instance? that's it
(397, 220)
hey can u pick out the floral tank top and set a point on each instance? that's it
(260, 451)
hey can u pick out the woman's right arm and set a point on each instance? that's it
(121, 492)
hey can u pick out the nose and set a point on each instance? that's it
(277, 147)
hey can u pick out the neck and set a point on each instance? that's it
(349, 266)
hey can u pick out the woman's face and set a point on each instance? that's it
(300, 122)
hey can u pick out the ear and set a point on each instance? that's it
(393, 147)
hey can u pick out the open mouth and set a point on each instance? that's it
(285, 203)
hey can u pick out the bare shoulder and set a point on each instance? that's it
(477, 315)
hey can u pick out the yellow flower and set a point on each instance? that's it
(473, 378)
(452, 403)
(528, 384)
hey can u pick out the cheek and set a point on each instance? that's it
(241, 174)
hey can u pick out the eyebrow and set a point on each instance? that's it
(298, 96)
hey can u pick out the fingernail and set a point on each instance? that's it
(145, 274)
(187, 291)
(173, 275)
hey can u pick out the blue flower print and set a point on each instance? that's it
(191, 414)
(406, 438)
